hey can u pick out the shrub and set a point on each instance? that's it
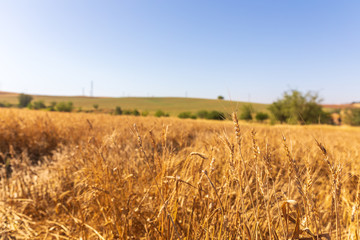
(246, 112)
(160, 113)
(145, 113)
(220, 97)
(52, 106)
(296, 107)
(186, 115)
(215, 115)
(64, 107)
(352, 116)
(118, 111)
(127, 112)
(38, 105)
(24, 100)
(136, 112)
(202, 114)
(8, 105)
(96, 106)
(261, 116)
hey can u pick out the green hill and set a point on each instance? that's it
(170, 105)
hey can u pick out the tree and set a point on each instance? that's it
(96, 106)
(64, 107)
(136, 112)
(160, 113)
(24, 100)
(215, 115)
(145, 113)
(52, 106)
(352, 116)
(186, 115)
(118, 111)
(220, 97)
(295, 107)
(246, 112)
(202, 114)
(38, 105)
(260, 116)
(127, 112)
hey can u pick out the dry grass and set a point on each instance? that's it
(78, 176)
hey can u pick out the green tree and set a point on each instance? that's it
(127, 112)
(220, 97)
(215, 115)
(136, 112)
(246, 112)
(160, 113)
(52, 106)
(96, 106)
(202, 114)
(118, 111)
(295, 107)
(24, 100)
(352, 116)
(261, 116)
(186, 115)
(38, 105)
(145, 113)
(64, 107)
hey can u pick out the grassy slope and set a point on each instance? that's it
(151, 104)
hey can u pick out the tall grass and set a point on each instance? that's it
(78, 176)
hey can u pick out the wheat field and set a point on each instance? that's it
(87, 176)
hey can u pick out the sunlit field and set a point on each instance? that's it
(96, 176)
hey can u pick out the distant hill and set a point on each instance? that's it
(342, 106)
(172, 105)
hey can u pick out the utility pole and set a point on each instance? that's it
(92, 89)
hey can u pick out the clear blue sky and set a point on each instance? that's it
(243, 50)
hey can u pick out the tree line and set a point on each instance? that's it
(294, 107)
